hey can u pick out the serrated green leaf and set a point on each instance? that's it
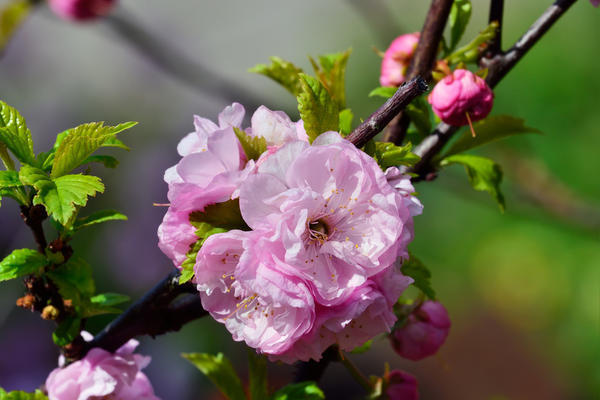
(299, 391)
(15, 134)
(488, 130)
(203, 231)
(460, 13)
(109, 299)
(20, 395)
(60, 195)
(107, 161)
(12, 16)
(420, 115)
(257, 375)
(5, 158)
(220, 371)
(414, 268)
(78, 273)
(114, 142)
(389, 155)
(283, 72)
(97, 218)
(383, 91)
(253, 146)
(346, 117)
(331, 71)
(9, 179)
(317, 109)
(484, 174)
(470, 52)
(66, 331)
(77, 144)
(21, 262)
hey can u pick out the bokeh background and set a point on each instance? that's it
(522, 288)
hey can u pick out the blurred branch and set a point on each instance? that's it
(498, 67)
(423, 59)
(176, 64)
(313, 370)
(165, 308)
(378, 18)
(384, 114)
(496, 14)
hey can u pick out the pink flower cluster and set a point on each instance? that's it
(397, 59)
(321, 263)
(81, 10)
(101, 374)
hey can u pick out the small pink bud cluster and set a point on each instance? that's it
(103, 375)
(328, 229)
(461, 97)
(81, 10)
(397, 59)
(424, 333)
(402, 386)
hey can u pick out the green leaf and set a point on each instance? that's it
(21, 262)
(12, 16)
(203, 231)
(114, 142)
(107, 161)
(257, 375)
(283, 72)
(226, 215)
(389, 155)
(66, 331)
(414, 268)
(97, 218)
(331, 71)
(60, 195)
(74, 279)
(460, 13)
(14, 134)
(484, 174)
(419, 113)
(77, 144)
(366, 346)
(9, 179)
(317, 109)
(253, 146)
(20, 395)
(470, 52)
(109, 299)
(299, 391)
(488, 130)
(383, 91)
(220, 371)
(346, 117)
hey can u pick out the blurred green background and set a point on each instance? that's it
(522, 288)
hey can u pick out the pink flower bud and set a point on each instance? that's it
(424, 332)
(81, 10)
(460, 93)
(595, 3)
(397, 58)
(402, 386)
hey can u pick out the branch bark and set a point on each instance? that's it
(496, 14)
(424, 57)
(498, 67)
(384, 114)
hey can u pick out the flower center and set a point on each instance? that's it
(318, 230)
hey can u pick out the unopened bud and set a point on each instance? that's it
(402, 386)
(26, 301)
(50, 312)
(397, 59)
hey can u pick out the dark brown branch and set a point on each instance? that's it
(498, 67)
(496, 14)
(424, 58)
(33, 216)
(384, 114)
(159, 311)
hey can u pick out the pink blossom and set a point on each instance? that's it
(424, 332)
(276, 127)
(595, 3)
(460, 96)
(402, 386)
(102, 374)
(397, 58)
(245, 284)
(81, 10)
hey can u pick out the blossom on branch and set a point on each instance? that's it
(397, 59)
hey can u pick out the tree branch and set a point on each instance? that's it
(424, 57)
(33, 216)
(384, 114)
(498, 67)
(159, 311)
(496, 14)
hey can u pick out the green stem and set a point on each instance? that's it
(5, 157)
(355, 372)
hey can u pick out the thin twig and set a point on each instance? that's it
(384, 114)
(496, 14)
(498, 67)
(158, 311)
(424, 57)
